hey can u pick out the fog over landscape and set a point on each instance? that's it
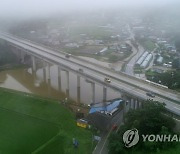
(34, 8)
(111, 67)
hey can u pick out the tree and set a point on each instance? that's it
(148, 120)
(6, 55)
(177, 42)
(176, 63)
(171, 79)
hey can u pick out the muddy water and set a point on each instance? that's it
(26, 81)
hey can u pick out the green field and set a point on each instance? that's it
(148, 44)
(31, 124)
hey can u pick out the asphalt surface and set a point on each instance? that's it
(130, 65)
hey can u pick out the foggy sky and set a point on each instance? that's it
(23, 8)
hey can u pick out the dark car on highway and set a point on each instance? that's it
(67, 55)
(150, 94)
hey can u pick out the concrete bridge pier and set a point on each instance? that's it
(21, 55)
(93, 92)
(67, 88)
(140, 104)
(104, 94)
(78, 89)
(127, 103)
(59, 79)
(44, 70)
(49, 79)
(33, 63)
(48, 71)
(124, 105)
(49, 87)
(132, 103)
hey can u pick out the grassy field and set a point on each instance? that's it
(89, 51)
(28, 123)
(23, 134)
(148, 44)
(93, 31)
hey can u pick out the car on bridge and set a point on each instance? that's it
(81, 70)
(107, 80)
(68, 55)
(150, 94)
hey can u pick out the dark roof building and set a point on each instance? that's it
(101, 115)
(107, 106)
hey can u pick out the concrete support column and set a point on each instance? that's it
(130, 104)
(93, 92)
(22, 56)
(33, 63)
(127, 105)
(126, 102)
(59, 79)
(134, 105)
(48, 72)
(67, 88)
(104, 94)
(78, 89)
(44, 70)
(49, 87)
(140, 104)
(48, 79)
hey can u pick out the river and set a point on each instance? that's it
(24, 80)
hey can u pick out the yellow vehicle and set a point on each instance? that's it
(82, 123)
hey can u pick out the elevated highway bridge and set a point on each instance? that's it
(132, 88)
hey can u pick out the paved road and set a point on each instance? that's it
(102, 146)
(130, 66)
(120, 81)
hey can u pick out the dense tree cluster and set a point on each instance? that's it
(147, 120)
(171, 79)
(6, 56)
(177, 42)
(176, 63)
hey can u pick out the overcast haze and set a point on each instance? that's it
(14, 8)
